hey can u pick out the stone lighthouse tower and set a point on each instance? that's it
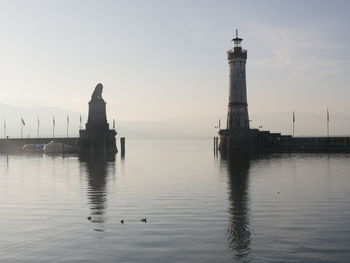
(237, 116)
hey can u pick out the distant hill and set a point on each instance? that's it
(173, 128)
(306, 124)
(13, 114)
(166, 129)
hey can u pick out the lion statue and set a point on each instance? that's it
(97, 94)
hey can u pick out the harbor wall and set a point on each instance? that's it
(256, 141)
(16, 144)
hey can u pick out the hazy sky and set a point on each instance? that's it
(164, 59)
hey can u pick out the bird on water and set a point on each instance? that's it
(144, 220)
(89, 218)
(122, 221)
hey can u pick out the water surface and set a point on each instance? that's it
(200, 207)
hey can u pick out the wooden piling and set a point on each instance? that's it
(122, 146)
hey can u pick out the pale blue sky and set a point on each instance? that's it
(164, 59)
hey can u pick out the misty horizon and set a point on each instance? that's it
(307, 123)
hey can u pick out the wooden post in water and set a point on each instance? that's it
(122, 145)
(216, 144)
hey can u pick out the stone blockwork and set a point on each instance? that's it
(256, 141)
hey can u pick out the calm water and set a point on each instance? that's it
(199, 207)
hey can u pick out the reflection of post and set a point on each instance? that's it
(216, 144)
(238, 232)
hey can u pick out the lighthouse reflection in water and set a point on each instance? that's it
(238, 230)
(200, 207)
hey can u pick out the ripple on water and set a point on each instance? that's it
(199, 208)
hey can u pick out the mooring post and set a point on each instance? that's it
(122, 145)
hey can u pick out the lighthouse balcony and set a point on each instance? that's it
(231, 54)
(237, 50)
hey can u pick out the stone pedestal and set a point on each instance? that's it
(97, 114)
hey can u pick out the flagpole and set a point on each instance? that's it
(67, 124)
(53, 127)
(327, 123)
(327, 129)
(293, 123)
(21, 127)
(4, 128)
(37, 132)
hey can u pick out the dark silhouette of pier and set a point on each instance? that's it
(256, 141)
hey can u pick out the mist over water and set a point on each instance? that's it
(199, 207)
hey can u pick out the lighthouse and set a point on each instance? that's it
(237, 115)
(238, 139)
